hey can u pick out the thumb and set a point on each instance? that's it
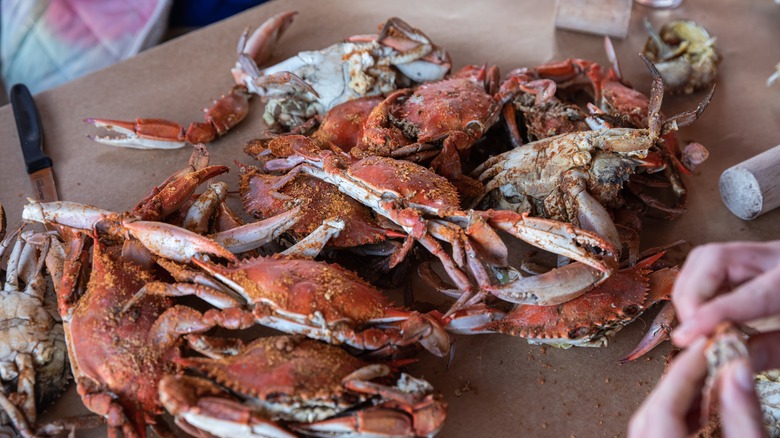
(739, 407)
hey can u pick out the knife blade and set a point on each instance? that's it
(28, 124)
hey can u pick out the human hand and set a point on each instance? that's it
(735, 281)
(672, 409)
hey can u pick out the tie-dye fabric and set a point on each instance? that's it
(44, 43)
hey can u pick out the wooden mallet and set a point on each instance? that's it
(752, 187)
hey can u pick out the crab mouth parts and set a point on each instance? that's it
(596, 337)
(308, 411)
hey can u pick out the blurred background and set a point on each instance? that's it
(45, 43)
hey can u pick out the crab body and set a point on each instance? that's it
(302, 296)
(441, 119)
(318, 201)
(110, 351)
(535, 172)
(587, 321)
(343, 124)
(323, 301)
(32, 351)
(313, 82)
(283, 384)
(685, 55)
(575, 176)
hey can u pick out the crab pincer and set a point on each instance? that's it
(149, 133)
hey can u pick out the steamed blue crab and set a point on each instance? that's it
(312, 82)
(298, 89)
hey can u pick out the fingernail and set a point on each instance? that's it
(681, 334)
(743, 374)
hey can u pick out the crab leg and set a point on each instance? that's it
(2, 223)
(200, 212)
(591, 214)
(26, 385)
(467, 258)
(149, 133)
(170, 198)
(69, 214)
(255, 234)
(16, 416)
(311, 245)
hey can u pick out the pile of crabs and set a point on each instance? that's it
(377, 159)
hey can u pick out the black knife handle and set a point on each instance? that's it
(28, 124)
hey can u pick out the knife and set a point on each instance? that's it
(28, 124)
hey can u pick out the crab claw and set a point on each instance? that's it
(417, 58)
(376, 421)
(256, 50)
(426, 329)
(473, 320)
(558, 237)
(551, 288)
(175, 193)
(260, 45)
(661, 283)
(659, 331)
(196, 403)
(141, 134)
(175, 243)
(256, 234)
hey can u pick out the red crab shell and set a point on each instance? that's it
(319, 201)
(109, 347)
(410, 181)
(458, 106)
(551, 118)
(437, 108)
(343, 124)
(303, 287)
(285, 370)
(614, 303)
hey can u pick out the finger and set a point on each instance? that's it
(740, 411)
(663, 413)
(754, 299)
(765, 350)
(709, 267)
(700, 276)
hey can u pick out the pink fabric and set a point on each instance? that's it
(44, 43)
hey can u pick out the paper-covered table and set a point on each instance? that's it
(496, 385)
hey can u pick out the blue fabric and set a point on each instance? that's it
(196, 13)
